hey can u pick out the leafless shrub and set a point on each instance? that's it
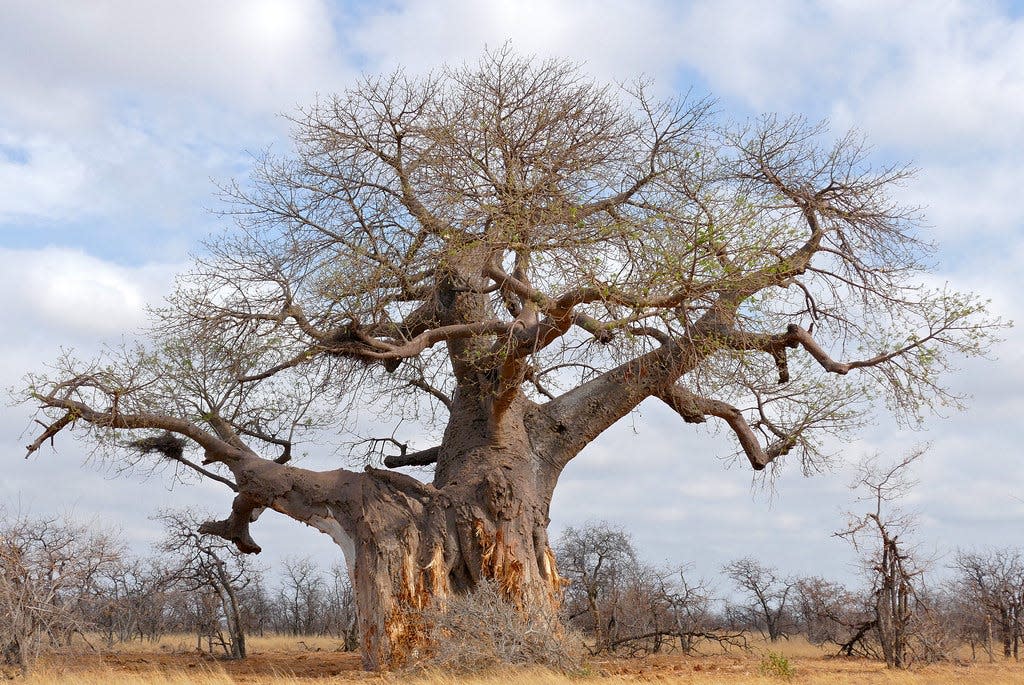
(598, 560)
(481, 630)
(828, 613)
(309, 601)
(665, 610)
(936, 632)
(991, 583)
(49, 569)
(625, 606)
(133, 598)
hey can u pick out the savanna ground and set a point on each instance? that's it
(288, 661)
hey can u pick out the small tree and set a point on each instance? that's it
(768, 595)
(828, 612)
(993, 583)
(688, 603)
(301, 597)
(664, 610)
(628, 605)
(892, 571)
(215, 572)
(340, 619)
(596, 559)
(131, 601)
(258, 608)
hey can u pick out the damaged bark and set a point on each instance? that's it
(408, 545)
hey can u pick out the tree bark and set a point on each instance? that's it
(409, 545)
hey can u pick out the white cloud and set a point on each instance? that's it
(120, 112)
(711, 486)
(752, 51)
(914, 75)
(954, 81)
(71, 296)
(972, 200)
(254, 53)
(39, 177)
(617, 40)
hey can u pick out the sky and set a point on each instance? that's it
(118, 118)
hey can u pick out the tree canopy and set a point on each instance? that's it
(515, 257)
(604, 226)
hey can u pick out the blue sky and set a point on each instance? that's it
(117, 117)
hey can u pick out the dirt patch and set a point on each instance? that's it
(256, 668)
(294, 665)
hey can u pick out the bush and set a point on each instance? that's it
(482, 630)
(776, 666)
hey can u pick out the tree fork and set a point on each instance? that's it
(409, 545)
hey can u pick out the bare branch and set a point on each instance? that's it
(693, 408)
(50, 431)
(421, 458)
(216, 449)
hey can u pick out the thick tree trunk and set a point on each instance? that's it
(409, 545)
(412, 554)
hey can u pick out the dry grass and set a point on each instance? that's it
(292, 661)
(187, 643)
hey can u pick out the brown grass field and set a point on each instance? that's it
(288, 661)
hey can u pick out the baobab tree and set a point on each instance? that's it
(516, 257)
